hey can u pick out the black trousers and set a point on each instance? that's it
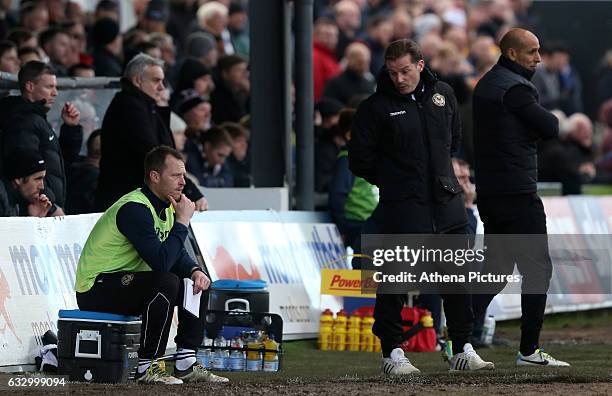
(152, 295)
(522, 215)
(392, 219)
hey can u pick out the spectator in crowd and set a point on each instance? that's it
(379, 34)
(402, 24)
(57, 44)
(348, 19)
(212, 17)
(22, 38)
(324, 63)
(9, 62)
(75, 13)
(351, 199)
(604, 79)
(81, 70)
(79, 54)
(145, 47)
(196, 112)
(239, 160)
(447, 64)
(34, 16)
(569, 160)
(7, 19)
(178, 128)
(193, 75)
(230, 99)
(483, 56)
(165, 43)
(132, 126)
(425, 24)
(180, 20)
(203, 47)
(237, 25)
(107, 48)
(194, 109)
(155, 16)
(327, 144)
(557, 82)
(134, 262)
(107, 9)
(24, 125)
(57, 11)
(83, 178)
(462, 173)
(27, 54)
(21, 187)
(217, 144)
(356, 79)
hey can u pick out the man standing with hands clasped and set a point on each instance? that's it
(508, 122)
(134, 261)
(402, 141)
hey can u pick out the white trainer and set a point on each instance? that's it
(398, 364)
(541, 359)
(468, 360)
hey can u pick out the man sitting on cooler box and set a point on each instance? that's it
(134, 261)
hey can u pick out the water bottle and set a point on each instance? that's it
(488, 330)
(237, 355)
(254, 355)
(220, 354)
(204, 354)
(270, 362)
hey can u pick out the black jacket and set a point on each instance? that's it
(349, 85)
(10, 204)
(106, 63)
(132, 126)
(25, 126)
(226, 105)
(508, 122)
(403, 144)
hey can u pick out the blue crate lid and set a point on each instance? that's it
(91, 315)
(229, 284)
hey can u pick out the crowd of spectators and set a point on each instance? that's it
(203, 51)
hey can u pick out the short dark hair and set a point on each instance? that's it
(27, 50)
(216, 137)
(6, 45)
(226, 62)
(32, 71)
(155, 159)
(107, 5)
(403, 47)
(19, 36)
(79, 66)
(235, 130)
(49, 34)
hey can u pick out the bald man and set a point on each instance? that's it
(356, 80)
(508, 121)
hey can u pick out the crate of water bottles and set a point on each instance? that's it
(242, 341)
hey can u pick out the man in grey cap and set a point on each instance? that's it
(22, 185)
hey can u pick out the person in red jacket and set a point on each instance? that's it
(324, 63)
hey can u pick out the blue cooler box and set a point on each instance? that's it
(97, 347)
(239, 295)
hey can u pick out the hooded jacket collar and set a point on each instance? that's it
(385, 84)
